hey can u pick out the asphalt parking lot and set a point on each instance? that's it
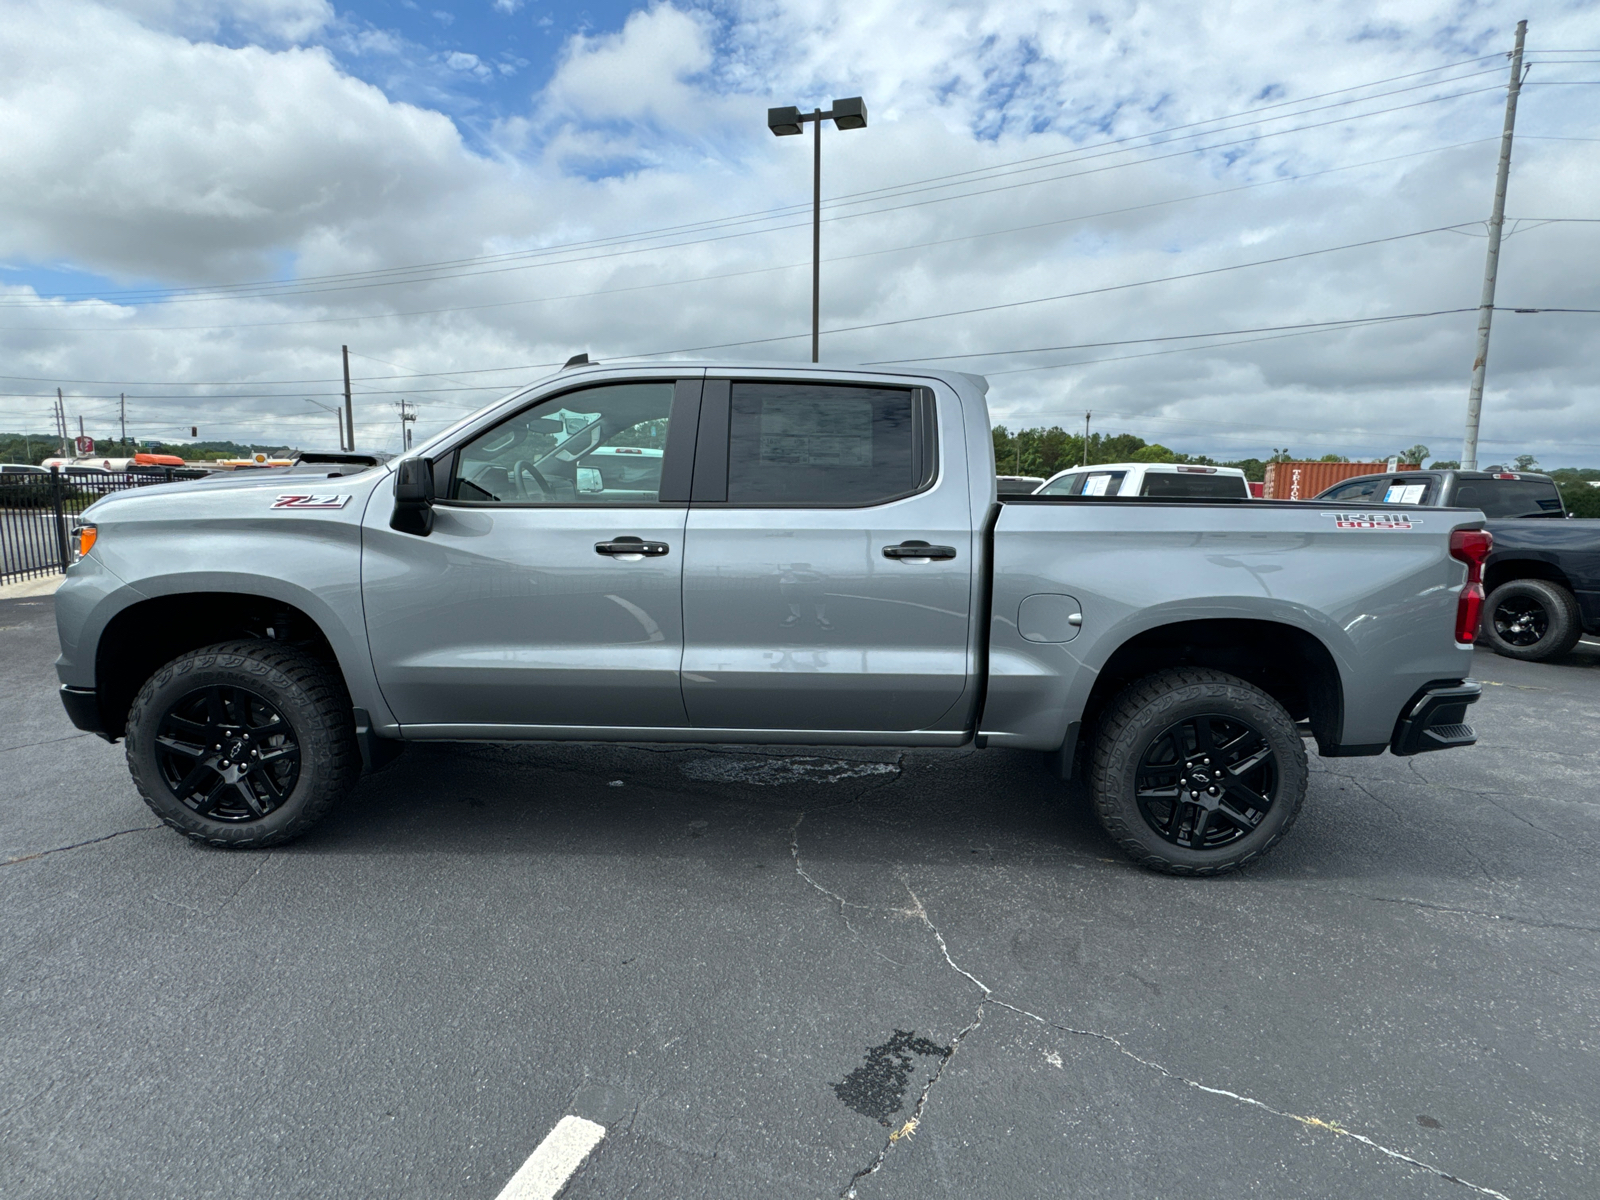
(796, 973)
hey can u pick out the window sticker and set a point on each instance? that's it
(812, 433)
(1096, 485)
(1405, 493)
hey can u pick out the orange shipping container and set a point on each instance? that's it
(1303, 480)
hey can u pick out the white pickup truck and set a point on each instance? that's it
(771, 554)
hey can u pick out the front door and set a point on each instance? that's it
(550, 589)
(828, 560)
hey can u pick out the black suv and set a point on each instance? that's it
(1543, 575)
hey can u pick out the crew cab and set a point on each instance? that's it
(1543, 575)
(794, 555)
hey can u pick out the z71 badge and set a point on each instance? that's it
(1374, 520)
(310, 501)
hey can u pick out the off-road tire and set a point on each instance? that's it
(1563, 622)
(309, 696)
(1142, 712)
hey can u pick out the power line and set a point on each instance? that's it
(782, 267)
(857, 197)
(298, 289)
(964, 312)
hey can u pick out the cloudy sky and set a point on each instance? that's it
(1226, 227)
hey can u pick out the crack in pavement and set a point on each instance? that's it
(71, 737)
(21, 858)
(919, 911)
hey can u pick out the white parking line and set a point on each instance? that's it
(550, 1166)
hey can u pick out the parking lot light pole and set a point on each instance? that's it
(849, 113)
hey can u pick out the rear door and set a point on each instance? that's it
(550, 589)
(828, 559)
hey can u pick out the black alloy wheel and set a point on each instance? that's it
(1532, 619)
(244, 744)
(227, 754)
(1194, 771)
(1521, 621)
(1206, 781)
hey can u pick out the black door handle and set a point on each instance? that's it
(915, 549)
(631, 547)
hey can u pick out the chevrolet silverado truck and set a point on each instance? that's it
(1543, 575)
(759, 554)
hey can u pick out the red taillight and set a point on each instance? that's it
(1472, 547)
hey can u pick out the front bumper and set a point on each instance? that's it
(1436, 719)
(83, 710)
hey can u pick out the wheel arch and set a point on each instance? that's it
(1291, 665)
(1510, 570)
(140, 638)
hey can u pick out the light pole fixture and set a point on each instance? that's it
(850, 113)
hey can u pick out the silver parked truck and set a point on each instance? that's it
(759, 554)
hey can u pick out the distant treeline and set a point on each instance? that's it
(1043, 452)
(34, 448)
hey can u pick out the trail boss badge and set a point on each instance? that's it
(1373, 520)
(311, 501)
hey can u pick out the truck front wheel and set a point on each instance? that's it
(244, 744)
(1531, 619)
(1197, 772)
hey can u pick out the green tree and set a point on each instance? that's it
(1525, 462)
(1333, 458)
(1444, 464)
(1581, 499)
(1416, 455)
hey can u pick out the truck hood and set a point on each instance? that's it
(203, 497)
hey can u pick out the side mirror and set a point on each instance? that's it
(413, 497)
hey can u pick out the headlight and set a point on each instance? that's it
(86, 539)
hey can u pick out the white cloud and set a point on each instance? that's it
(138, 154)
(280, 20)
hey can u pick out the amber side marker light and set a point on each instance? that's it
(86, 537)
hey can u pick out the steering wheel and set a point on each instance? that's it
(521, 472)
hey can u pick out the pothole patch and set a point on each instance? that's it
(773, 772)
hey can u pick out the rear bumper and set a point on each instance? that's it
(1436, 719)
(83, 710)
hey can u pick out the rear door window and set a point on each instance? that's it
(806, 444)
(1406, 490)
(1101, 483)
(1510, 497)
(1182, 485)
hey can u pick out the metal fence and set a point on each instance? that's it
(38, 514)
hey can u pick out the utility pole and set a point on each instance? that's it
(407, 416)
(349, 412)
(1085, 461)
(61, 422)
(1491, 265)
(122, 414)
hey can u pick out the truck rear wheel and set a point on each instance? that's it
(1197, 772)
(1531, 619)
(243, 744)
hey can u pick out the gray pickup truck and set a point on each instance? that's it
(705, 553)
